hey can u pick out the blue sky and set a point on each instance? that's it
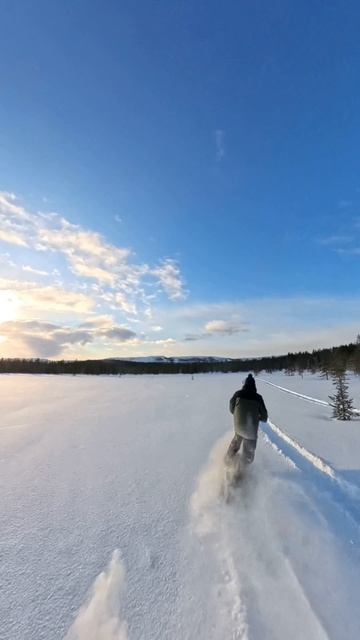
(178, 178)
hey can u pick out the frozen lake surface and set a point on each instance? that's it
(113, 526)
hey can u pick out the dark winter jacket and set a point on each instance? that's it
(248, 409)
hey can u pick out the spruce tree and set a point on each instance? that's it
(355, 359)
(341, 403)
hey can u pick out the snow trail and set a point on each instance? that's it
(315, 460)
(240, 541)
(344, 493)
(302, 395)
(99, 618)
(278, 450)
(295, 393)
(208, 520)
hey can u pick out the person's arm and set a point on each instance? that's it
(232, 402)
(263, 414)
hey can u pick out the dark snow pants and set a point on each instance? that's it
(247, 451)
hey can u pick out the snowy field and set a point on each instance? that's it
(113, 526)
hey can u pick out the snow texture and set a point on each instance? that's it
(107, 475)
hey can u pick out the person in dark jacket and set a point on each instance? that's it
(248, 408)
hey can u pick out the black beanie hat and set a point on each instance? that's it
(249, 384)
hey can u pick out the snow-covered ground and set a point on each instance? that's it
(307, 417)
(113, 527)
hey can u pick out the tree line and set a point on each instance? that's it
(328, 362)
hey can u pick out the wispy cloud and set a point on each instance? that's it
(219, 135)
(50, 340)
(224, 327)
(12, 237)
(120, 334)
(261, 326)
(336, 240)
(34, 298)
(345, 240)
(38, 272)
(14, 220)
(193, 337)
(169, 276)
(89, 257)
(98, 300)
(345, 204)
(351, 251)
(166, 342)
(6, 260)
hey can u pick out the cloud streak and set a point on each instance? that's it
(219, 135)
(224, 327)
(35, 298)
(334, 240)
(89, 257)
(96, 299)
(169, 278)
(49, 340)
(38, 272)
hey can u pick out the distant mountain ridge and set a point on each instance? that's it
(327, 361)
(171, 359)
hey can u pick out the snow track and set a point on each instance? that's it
(303, 396)
(295, 393)
(210, 527)
(344, 493)
(316, 461)
(241, 542)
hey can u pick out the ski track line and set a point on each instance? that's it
(272, 444)
(302, 395)
(315, 460)
(295, 393)
(346, 494)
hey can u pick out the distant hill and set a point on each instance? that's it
(172, 359)
(327, 361)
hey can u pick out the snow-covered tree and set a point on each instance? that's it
(341, 402)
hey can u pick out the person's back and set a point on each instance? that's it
(248, 408)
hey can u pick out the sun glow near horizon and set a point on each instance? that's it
(9, 306)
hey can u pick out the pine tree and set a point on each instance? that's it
(355, 359)
(341, 403)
